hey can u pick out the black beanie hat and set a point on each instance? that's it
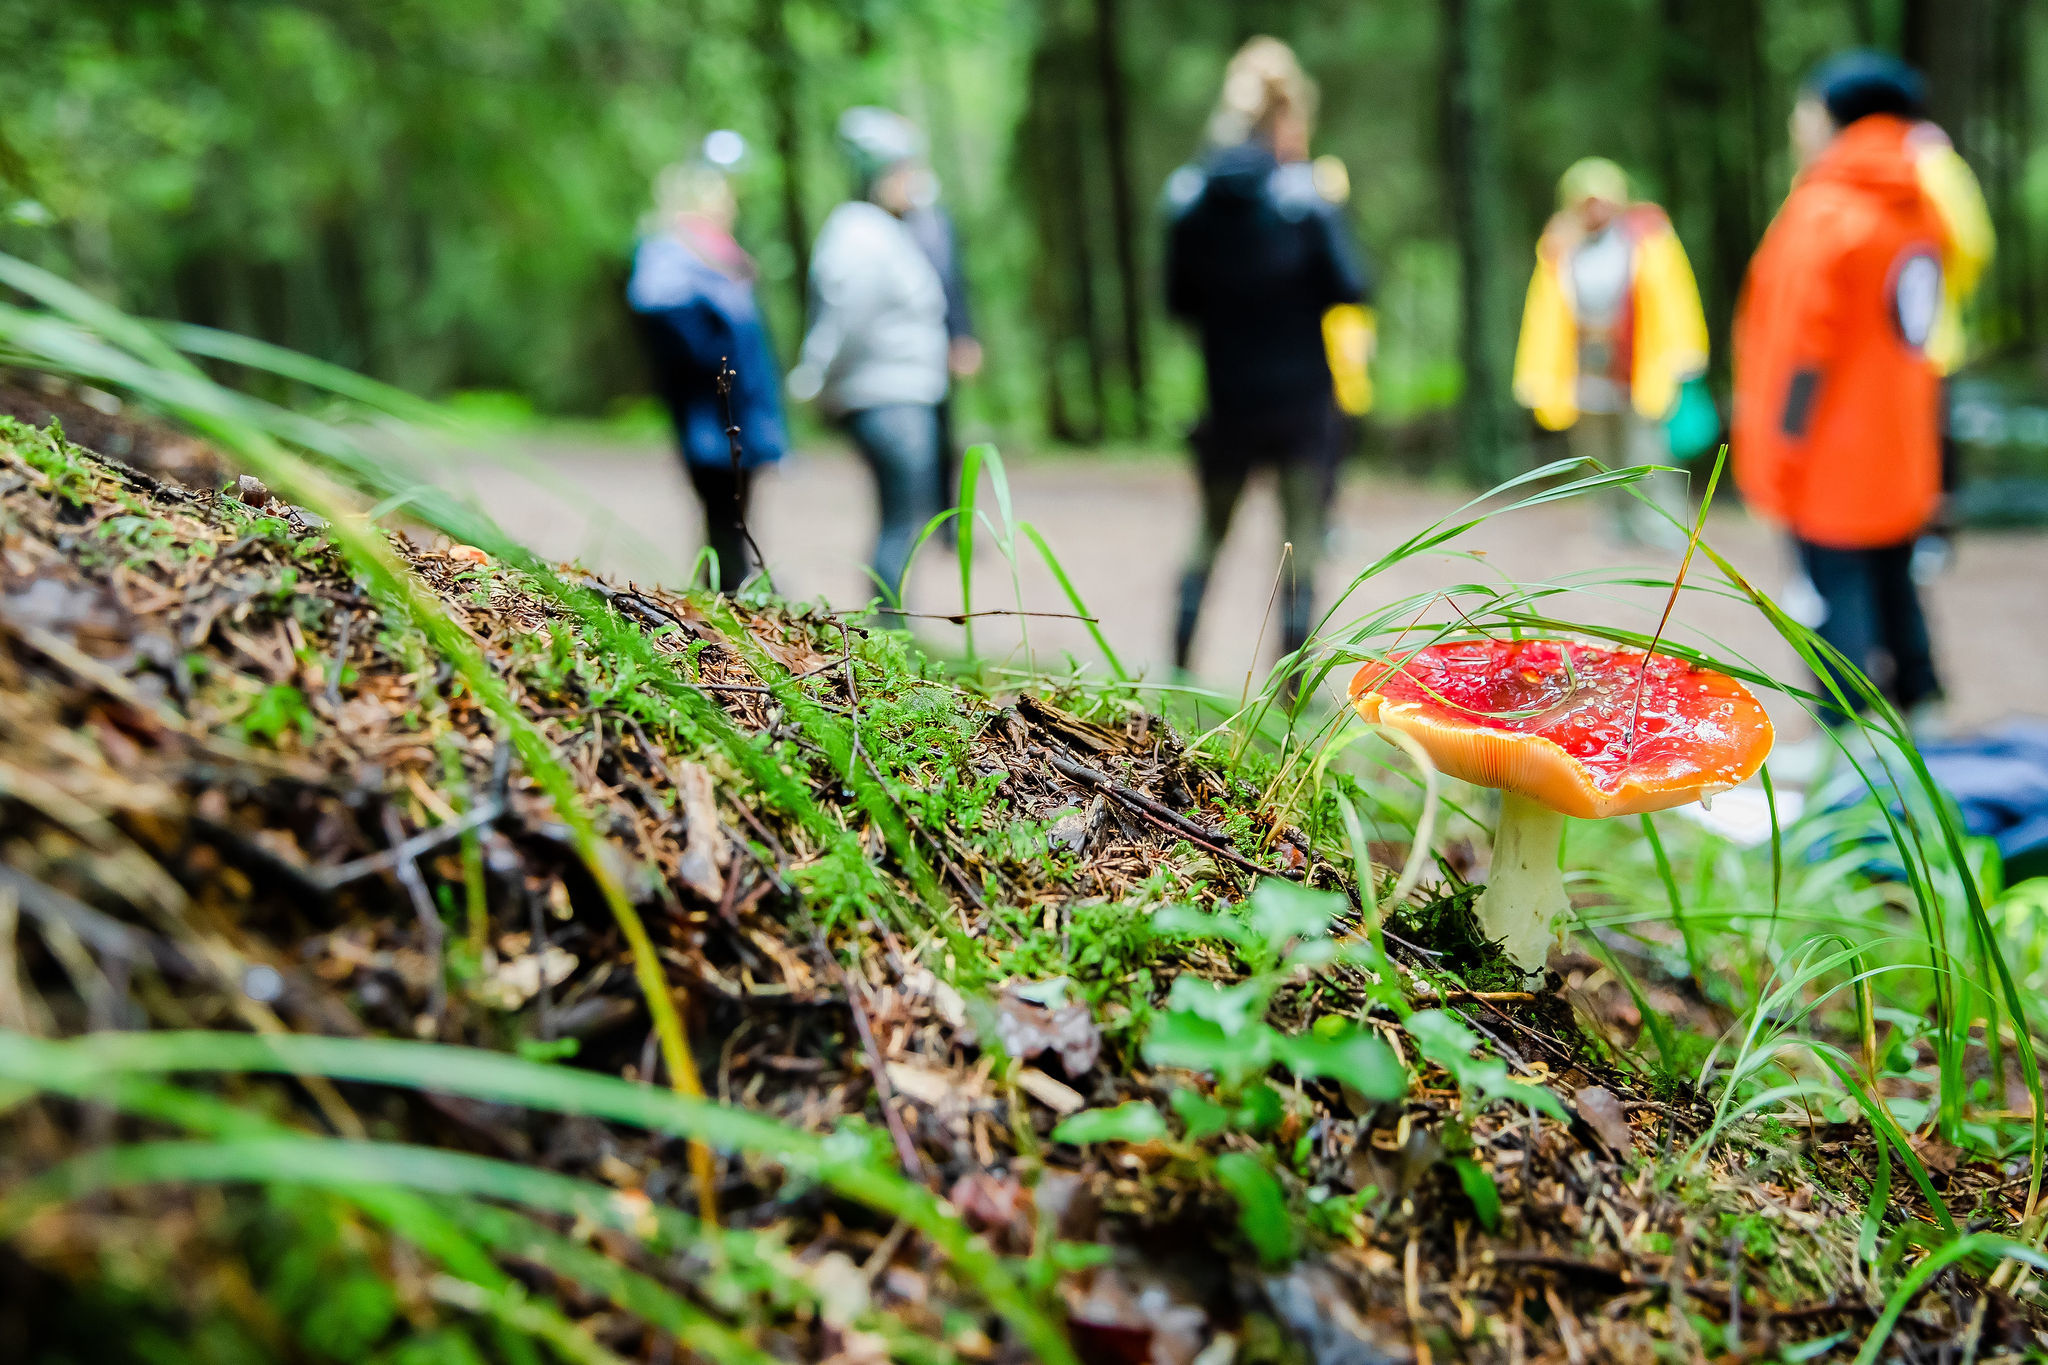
(1855, 84)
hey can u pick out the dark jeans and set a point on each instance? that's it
(949, 470)
(900, 442)
(1874, 619)
(723, 491)
(1303, 457)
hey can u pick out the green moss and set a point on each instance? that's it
(1448, 925)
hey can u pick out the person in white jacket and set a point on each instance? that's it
(874, 359)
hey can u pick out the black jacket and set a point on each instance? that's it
(1254, 257)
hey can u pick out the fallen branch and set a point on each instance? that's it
(395, 857)
(1159, 813)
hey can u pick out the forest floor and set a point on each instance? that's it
(1120, 529)
(895, 902)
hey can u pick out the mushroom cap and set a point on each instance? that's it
(1550, 719)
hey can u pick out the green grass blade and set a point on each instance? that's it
(963, 544)
(236, 349)
(847, 1166)
(1974, 1244)
(1080, 607)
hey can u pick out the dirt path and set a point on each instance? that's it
(1120, 529)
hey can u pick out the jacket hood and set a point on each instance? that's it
(1242, 169)
(1870, 154)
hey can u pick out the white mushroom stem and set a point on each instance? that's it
(1525, 894)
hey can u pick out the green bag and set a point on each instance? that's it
(1694, 426)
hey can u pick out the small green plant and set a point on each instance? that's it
(1222, 1029)
(1480, 1080)
(277, 709)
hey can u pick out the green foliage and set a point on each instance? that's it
(1477, 1183)
(1132, 1121)
(1337, 1215)
(119, 1068)
(1482, 1080)
(1261, 1206)
(278, 709)
(444, 194)
(47, 452)
(1222, 1029)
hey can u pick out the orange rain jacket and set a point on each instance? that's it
(1837, 420)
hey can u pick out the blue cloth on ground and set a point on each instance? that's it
(1999, 779)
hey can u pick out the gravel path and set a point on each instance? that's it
(1120, 528)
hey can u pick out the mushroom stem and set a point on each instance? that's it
(1525, 893)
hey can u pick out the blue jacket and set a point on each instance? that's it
(692, 317)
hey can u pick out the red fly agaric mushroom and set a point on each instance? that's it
(1563, 728)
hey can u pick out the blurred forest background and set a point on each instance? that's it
(445, 194)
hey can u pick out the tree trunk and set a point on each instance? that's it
(1086, 313)
(787, 119)
(1123, 212)
(1973, 53)
(1473, 83)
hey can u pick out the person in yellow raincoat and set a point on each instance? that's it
(1611, 333)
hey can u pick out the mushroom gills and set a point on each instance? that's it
(1524, 895)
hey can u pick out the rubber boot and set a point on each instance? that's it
(1194, 585)
(1297, 615)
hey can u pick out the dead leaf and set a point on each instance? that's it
(1062, 1099)
(1117, 1318)
(925, 1084)
(946, 1002)
(519, 980)
(1312, 1300)
(1035, 1017)
(997, 1205)
(706, 850)
(797, 656)
(1603, 1114)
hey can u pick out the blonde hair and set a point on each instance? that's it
(1262, 84)
(691, 187)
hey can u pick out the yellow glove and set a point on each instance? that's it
(1350, 334)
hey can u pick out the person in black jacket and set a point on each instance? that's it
(1255, 257)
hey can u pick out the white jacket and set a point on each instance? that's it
(878, 316)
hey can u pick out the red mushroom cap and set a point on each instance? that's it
(1550, 719)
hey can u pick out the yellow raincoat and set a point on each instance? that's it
(1950, 186)
(1668, 331)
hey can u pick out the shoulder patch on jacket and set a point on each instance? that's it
(1293, 190)
(1916, 294)
(1183, 188)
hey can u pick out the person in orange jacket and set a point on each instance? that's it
(1837, 431)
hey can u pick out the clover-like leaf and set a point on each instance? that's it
(1183, 1038)
(1132, 1121)
(1203, 1116)
(1184, 921)
(1352, 1057)
(1449, 1044)
(1236, 1008)
(1478, 1185)
(1261, 1206)
(1284, 912)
